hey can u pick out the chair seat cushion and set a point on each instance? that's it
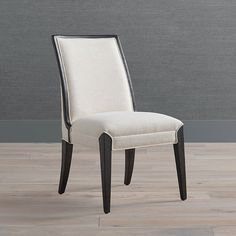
(127, 129)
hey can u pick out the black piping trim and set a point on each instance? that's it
(65, 96)
(86, 35)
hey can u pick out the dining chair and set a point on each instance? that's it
(98, 109)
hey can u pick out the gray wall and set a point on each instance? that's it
(181, 54)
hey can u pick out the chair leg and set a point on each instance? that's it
(129, 165)
(67, 149)
(180, 164)
(105, 146)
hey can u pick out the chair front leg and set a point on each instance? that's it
(180, 163)
(105, 146)
(129, 165)
(67, 149)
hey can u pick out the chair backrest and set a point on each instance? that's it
(94, 75)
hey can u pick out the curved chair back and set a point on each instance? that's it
(94, 75)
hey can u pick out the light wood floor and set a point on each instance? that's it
(30, 205)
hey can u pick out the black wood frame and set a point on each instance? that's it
(105, 147)
(129, 165)
(67, 149)
(180, 163)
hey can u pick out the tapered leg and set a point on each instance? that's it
(180, 164)
(129, 165)
(67, 149)
(105, 146)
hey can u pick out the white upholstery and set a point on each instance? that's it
(95, 75)
(100, 99)
(127, 129)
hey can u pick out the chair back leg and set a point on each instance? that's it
(67, 149)
(105, 146)
(129, 165)
(180, 164)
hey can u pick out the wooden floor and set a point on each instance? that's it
(30, 205)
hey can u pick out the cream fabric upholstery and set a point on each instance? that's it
(100, 98)
(127, 129)
(95, 75)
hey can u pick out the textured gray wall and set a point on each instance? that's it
(181, 54)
